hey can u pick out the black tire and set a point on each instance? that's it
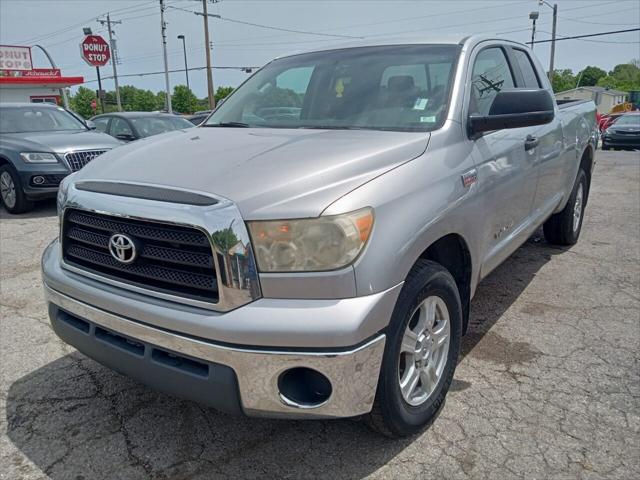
(21, 204)
(559, 228)
(605, 147)
(391, 414)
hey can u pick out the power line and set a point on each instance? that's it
(575, 37)
(269, 27)
(144, 74)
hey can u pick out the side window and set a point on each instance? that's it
(526, 68)
(120, 127)
(491, 73)
(101, 124)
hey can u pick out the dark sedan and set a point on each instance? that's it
(623, 133)
(128, 126)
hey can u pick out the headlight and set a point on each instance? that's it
(63, 189)
(39, 157)
(311, 245)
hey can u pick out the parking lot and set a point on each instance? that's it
(548, 385)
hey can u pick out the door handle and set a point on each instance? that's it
(531, 142)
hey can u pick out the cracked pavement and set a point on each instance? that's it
(548, 384)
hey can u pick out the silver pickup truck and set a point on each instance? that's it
(312, 249)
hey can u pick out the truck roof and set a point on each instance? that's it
(440, 39)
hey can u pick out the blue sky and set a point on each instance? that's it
(57, 25)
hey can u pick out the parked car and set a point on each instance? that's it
(321, 265)
(40, 144)
(198, 118)
(623, 133)
(128, 126)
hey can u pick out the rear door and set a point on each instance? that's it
(505, 170)
(548, 152)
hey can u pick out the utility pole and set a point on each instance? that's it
(184, 50)
(553, 40)
(210, 91)
(114, 56)
(163, 26)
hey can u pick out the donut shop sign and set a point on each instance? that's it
(15, 58)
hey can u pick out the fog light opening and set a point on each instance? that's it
(304, 388)
(38, 180)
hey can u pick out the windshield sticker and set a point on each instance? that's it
(421, 103)
(430, 119)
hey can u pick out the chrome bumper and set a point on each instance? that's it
(353, 373)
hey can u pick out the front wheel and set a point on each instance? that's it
(423, 343)
(13, 198)
(564, 227)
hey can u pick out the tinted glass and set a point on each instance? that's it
(101, 123)
(148, 126)
(526, 68)
(491, 74)
(120, 127)
(628, 120)
(37, 119)
(383, 88)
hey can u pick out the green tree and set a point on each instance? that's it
(161, 100)
(222, 92)
(563, 80)
(183, 100)
(144, 101)
(589, 76)
(81, 102)
(625, 77)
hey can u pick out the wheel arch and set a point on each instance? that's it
(452, 252)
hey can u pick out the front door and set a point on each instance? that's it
(506, 170)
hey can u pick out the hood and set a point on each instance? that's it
(268, 173)
(60, 142)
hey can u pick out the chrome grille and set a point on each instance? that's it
(171, 259)
(77, 160)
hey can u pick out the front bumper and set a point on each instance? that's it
(232, 379)
(52, 175)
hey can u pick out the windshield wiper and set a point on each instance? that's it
(227, 124)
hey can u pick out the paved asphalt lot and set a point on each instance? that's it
(548, 385)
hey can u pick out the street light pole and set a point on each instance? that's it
(533, 16)
(184, 49)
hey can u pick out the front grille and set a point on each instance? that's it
(170, 259)
(77, 160)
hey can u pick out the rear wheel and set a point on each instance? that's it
(564, 228)
(423, 343)
(11, 193)
(605, 147)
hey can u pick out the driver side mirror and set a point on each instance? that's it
(90, 125)
(515, 108)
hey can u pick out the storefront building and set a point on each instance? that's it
(20, 82)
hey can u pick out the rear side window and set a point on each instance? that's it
(526, 68)
(491, 74)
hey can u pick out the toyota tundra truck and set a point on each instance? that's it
(311, 250)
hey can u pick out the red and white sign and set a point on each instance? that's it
(15, 58)
(95, 50)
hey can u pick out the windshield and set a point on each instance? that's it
(37, 119)
(402, 88)
(629, 120)
(147, 126)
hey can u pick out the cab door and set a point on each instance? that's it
(504, 159)
(549, 152)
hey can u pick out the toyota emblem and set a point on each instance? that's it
(122, 248)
